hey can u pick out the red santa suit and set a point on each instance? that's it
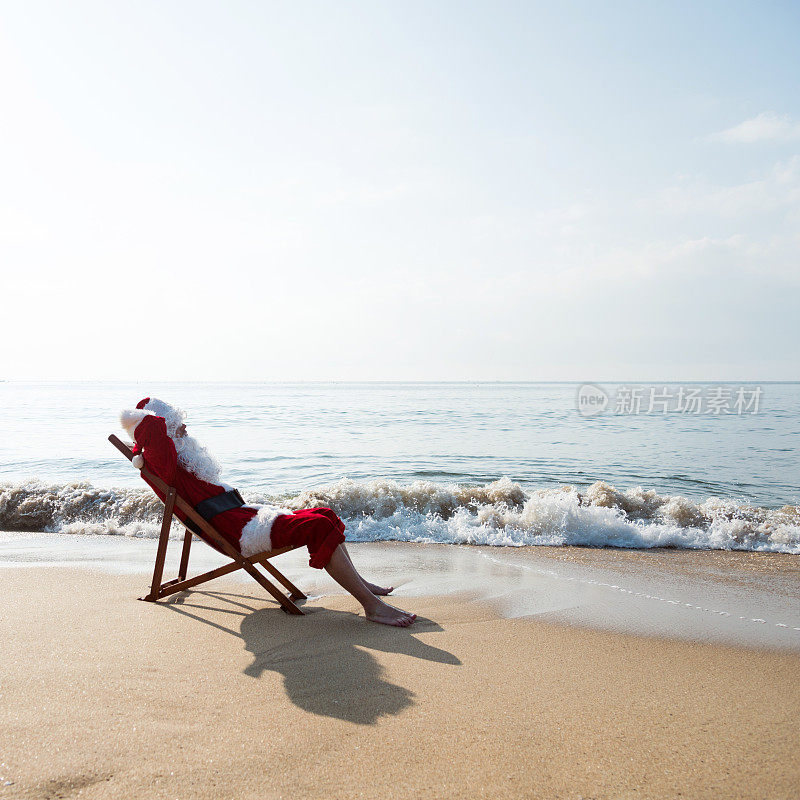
(251, 528)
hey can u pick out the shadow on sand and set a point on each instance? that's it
(324, 657)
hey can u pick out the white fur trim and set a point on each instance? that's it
(130, 419)
(256, 535)
(138, 461)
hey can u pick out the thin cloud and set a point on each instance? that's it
(767, 127)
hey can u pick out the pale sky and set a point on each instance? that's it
(400, 191)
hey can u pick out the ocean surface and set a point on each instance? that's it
(477, 463)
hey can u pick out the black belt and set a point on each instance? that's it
(209, 508)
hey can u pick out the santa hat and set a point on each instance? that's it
(173, 417)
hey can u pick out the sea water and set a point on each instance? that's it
(483, 463)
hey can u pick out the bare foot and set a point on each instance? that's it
(389, 615)
(378, 590)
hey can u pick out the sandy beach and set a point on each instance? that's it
(219, 694)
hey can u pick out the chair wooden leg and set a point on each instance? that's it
(294, 592)
(161, 553)
(187, 543)
(178, 585)
(173, 587)
(285, 602)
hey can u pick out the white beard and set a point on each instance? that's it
(195, 458)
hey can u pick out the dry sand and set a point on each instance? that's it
(219, 694)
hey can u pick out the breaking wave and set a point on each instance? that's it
(500, 513)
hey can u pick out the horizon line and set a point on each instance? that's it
(399, 381)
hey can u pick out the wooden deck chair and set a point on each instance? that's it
(206, 531)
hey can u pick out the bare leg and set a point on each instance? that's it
(341, 569)
(373, 587)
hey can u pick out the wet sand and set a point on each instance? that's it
(739, 598)
(523, 678)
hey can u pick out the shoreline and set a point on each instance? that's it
(728, 597)
(218, 694)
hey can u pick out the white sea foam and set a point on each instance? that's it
(500, 513)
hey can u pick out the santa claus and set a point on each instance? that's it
(162, 444)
